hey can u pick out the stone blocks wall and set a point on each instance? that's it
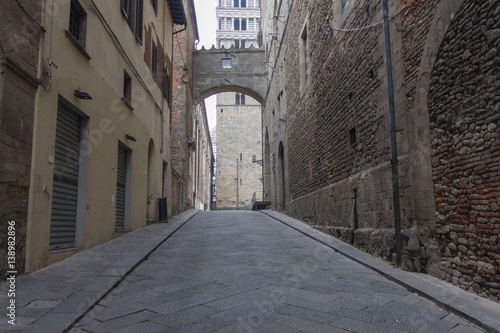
(337, 125)
(238, 139)
(246, 74)
(464, 106)
(19, 44)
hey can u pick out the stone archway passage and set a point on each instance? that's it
(229, 70)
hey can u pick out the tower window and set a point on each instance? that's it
(240, 99)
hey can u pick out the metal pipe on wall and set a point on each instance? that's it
(394, 151)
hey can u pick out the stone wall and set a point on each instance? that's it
(336, 133)
(244, 74)
(238, 140)
(19, 43)
(464, 106)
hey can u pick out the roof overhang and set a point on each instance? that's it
(177, 11)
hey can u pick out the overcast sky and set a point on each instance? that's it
(207, 26)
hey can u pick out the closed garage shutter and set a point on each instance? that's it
(65, 189)
(121, 185)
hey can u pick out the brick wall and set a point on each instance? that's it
(182, 108)
(19, 43)
(464, 106)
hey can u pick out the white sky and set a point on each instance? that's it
(207, 26)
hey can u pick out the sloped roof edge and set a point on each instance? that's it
(177, 11)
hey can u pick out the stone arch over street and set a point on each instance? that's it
(229, 70)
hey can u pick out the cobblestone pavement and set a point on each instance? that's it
(246, 272)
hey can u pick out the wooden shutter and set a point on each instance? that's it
(139, 20)
(65, 188)
(125, 8)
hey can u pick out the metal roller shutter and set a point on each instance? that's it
(65, 188)
(121, 183)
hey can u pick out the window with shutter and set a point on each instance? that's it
(154, 3)
(138, 21)
(154, 59)
(132, 11)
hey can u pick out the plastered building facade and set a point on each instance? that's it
(100, 132)
(326, 129)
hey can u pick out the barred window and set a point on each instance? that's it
(77, 22)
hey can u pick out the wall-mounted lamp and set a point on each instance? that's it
(130, 137)
(82, 95)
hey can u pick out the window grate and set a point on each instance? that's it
(74, 22)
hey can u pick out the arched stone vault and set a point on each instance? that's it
(226, 70)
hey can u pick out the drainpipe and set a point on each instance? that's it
(394, 151)
(237, 184)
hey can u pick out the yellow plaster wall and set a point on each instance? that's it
(109, 120)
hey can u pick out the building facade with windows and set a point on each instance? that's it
(101, 132)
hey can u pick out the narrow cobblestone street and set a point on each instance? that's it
(246, 272)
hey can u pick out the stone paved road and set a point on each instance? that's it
(246, 272)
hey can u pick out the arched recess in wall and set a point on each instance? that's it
(281, 179)
(464, 127)
(151, 204)
(444, 13)
(267, 168)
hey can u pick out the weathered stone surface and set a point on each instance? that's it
(464, 133)
(18, 85)
(246, 74)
